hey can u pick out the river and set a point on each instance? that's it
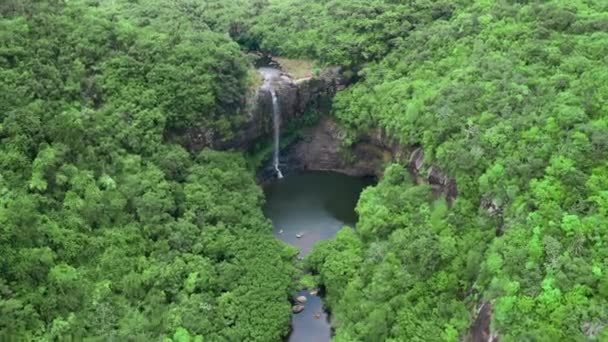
(313, 205)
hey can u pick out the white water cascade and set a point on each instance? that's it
(276, 120)
(271, 77)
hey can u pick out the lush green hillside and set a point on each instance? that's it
(107, 231)
(346, 33)
(510, 99)
(110, 231)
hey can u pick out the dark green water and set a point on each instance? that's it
(315, 205)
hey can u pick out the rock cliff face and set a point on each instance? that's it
(431, 175)
(322, 149)
(296, 97)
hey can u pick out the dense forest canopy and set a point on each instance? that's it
(110, 229)
(510, 99)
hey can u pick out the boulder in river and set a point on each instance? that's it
(297, 308)
(301, 299)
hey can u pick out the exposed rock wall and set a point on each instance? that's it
(322, 149)
(480, 330)
(432, 175)
(296, 97)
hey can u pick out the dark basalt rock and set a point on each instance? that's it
(296, 97)
(433, 175)
(481, 331)
(321, 148)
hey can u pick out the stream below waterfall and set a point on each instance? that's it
(314, 206)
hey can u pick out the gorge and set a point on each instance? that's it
(199, 170)
(307, 207)
(322, 146)
(322, 187)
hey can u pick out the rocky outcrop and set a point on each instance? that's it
(480, 331)
(322, 149)
(296, 97)
(432, 175)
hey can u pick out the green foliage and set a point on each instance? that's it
(107, 230)
(348, 33)
(508, 98)
(403, 270)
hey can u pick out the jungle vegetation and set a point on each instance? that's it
(109, 228)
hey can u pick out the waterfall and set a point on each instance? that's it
(271, 78)
(276, 120)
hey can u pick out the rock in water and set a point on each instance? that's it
(297, 308)
(301, 299)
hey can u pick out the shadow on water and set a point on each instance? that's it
(314, 206)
